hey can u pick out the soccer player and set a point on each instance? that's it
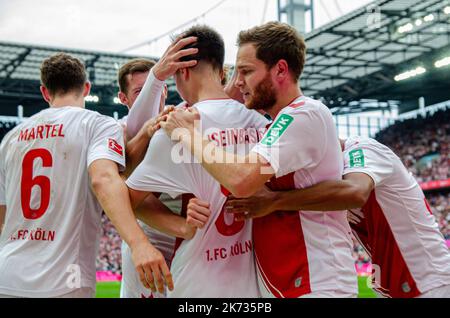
(132, 77)
(218, 261)
(298, 254)
(388, 213)
(48, 165)
(138, 89)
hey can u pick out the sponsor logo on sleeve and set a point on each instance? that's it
(357, 159)
(277, 130)
(114, 146)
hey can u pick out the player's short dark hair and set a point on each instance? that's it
(276, 41)
(138, 65)
(62, 73)
(210, 44)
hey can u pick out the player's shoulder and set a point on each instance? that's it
(231, 111)
(100, 119)
(304, 104)
(365, 144)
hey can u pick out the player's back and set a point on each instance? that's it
(49, 242)
(218, 261)
(397, 226)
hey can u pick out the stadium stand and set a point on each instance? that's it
(109, 253)
(423, 144)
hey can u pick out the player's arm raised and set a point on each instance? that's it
(350, 193)
(112, 194)
(242, 176)
(147, 104)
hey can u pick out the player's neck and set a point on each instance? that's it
(208, 88)
(67, 100)
(286, 95)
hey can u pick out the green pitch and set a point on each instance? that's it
(108, 290)
(112, 290)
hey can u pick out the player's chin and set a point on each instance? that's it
(250, 104)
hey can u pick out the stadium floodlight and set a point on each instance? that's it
(443, 62)
(412, 73)
(418, 22)
(92, 99)
(447, 10)
(429, 18)
(406, 28)
(116, 100)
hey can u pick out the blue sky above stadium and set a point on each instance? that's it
(115, 25)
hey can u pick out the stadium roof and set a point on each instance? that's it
(20, 73)
(357, 56)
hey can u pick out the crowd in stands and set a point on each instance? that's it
(415, 140)
(109, 258)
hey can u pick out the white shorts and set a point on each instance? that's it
(440, 292)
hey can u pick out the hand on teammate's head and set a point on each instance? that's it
(170, 62)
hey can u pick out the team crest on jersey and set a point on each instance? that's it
(406, 288)
(115, 147)
(357, 159)
(277, 130)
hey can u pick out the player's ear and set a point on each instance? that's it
(123, 98)
(86, 89)
(45, 93)
(281, 70)
(185, 73)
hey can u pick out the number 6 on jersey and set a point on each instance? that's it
(28, 182)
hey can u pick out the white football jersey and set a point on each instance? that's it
(131, 286)
(396, 225)
(145, 107)
(218, 261)
(306, 252)
(49, 243)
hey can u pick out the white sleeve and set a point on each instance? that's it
(106, 142)
(368, 160)
(2, 175)
(294, 141)
(146, 105)
(162, 170)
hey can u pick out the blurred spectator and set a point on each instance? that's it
(423, 144)
(440, 205)
(109, 257)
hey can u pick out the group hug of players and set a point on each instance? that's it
(242, 190)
